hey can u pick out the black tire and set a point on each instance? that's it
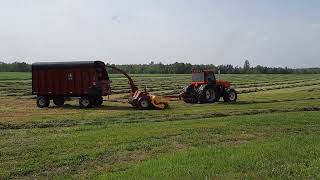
(98, 101)
(86, 102)
(43, 101)
(207, 94)
(230, 95)
(190, 95)
(58, 101)
(144, 103)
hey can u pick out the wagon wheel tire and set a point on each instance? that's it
(98, 101)
(43, 101)
(144, 103)
(230, 96)
(58, 101)
(86, 102)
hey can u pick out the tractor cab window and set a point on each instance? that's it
(102, 74)
(197, 77)
(211, 78)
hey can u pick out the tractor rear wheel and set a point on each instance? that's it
(43, 101)
(144, 103)
(97, 102)
(86, 102)
(58, 101)
(190, 95)
(207, 94)
(230, 96)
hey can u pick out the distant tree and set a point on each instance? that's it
(246, 66)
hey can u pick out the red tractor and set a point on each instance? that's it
(206, 89)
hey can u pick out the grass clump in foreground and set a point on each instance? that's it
(279, 157)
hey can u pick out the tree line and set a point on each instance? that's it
(15, 67)
(181, 68)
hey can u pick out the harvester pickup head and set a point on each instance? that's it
(143, 100)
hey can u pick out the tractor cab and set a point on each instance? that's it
(203, 77)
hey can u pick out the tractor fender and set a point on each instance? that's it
(205, 86)
(187, 88)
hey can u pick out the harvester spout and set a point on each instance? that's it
(133, 87)
(142, 99)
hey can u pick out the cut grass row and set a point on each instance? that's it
(117, 120)
(175, 89)
(18, 117)
(14, 110)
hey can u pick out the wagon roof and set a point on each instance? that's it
(67, 65)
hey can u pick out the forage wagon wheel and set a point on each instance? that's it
(230, 96)
(207, 94)
(190, 95)
(144, 103)
(58, 101)
(43, 101)
(86, 102)
(97, 102)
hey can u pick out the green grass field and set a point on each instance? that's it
(273, 131)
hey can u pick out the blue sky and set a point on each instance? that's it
(267, 32)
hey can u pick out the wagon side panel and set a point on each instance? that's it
(35, 82)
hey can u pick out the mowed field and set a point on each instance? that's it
(273, 131)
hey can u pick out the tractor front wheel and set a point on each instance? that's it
(230, 96)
